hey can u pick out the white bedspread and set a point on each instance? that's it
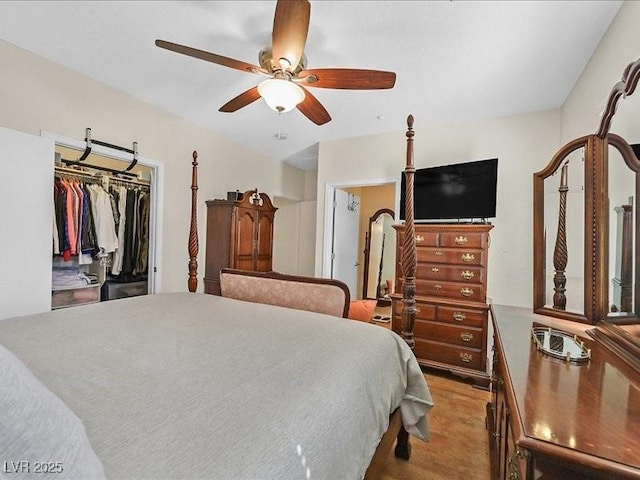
(194, 386)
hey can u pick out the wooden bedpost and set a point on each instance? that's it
(408, 264)
(193, 232)
(408, 261)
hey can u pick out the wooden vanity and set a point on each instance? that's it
(550, 419)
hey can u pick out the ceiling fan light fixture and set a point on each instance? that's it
(281, 95)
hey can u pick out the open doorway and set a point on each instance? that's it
(364, 198)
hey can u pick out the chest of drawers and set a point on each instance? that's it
(450, 329)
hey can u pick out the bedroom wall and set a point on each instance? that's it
(38, 95)
(619, 46)
(523, 143)
(581, 113)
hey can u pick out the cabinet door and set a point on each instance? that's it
(264, 243)
(245, 234)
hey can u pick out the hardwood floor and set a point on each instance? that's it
(459, 446)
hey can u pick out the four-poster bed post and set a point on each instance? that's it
(193, 231)
(408, 260)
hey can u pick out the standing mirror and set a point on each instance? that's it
(379, 257)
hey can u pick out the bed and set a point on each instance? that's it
(195, 386)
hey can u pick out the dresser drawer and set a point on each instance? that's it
(463, 240)
(448, 354)
(455, 291)
(451, 334)
(452, 256)
(456, 273)
(425, 311)
(425, 239)
(462, 316)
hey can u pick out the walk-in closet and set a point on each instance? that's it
(102, 239)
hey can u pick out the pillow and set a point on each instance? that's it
(40, 435)
(362, 310)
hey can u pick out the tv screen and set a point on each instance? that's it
(463, 191)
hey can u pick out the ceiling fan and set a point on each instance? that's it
(284, 64)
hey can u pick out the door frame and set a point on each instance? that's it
(156, 188)
(330, 188)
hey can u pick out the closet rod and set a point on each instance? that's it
(133, 182)
(81, 173)
(73, 171)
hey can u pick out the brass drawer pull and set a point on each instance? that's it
(435, 269)
(437, 286)
(459, 316)
(467, 275)
(468, 257)
(461, 240)
(466, 357)
(439, 253)
(466, 292)
(419, 239)
(466, 336)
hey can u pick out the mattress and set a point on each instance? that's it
(194, 386)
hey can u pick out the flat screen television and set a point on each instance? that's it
(461, 191)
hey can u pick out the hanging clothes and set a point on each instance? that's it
(91, 222)
(143, 244)
(121, 193)
(104, 221)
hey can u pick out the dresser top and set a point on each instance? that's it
(448, 227)
(593, 408)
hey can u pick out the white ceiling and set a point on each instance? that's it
(454, 60)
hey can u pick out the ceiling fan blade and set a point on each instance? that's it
(313, 109)
(348, 78)
(290, 29)
(242, 100)
(210, 57)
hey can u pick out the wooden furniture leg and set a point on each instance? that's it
(403, 447)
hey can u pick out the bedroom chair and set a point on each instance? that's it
(321, 295)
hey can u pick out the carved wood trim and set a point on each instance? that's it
(249, 200)
(625, 87)
(193, 231)
(409, 261)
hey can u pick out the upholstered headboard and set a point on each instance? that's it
(301, 293)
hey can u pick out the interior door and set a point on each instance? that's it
(344, 245)
(26, 196)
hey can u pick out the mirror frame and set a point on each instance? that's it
(596, 216)
(367, 249)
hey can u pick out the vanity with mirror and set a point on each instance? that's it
(379, 257)
(559, 418)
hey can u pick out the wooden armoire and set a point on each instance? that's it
(239, 235)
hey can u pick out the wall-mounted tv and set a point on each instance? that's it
(462, 191)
